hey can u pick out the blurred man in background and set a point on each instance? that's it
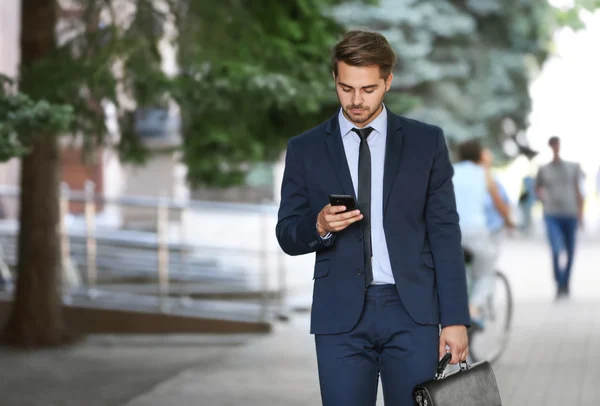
(558, 187)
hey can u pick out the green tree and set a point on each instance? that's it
(251, 74)
(37, 301)
(571, 16)
(63, 83)
(19, 114)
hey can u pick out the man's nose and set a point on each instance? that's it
(357, 98)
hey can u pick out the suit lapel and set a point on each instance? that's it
(335, 145)
(392, 155)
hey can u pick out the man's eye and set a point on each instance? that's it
(345, 89)
(369, 91)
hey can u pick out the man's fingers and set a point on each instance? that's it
(342, 219)
(332, 218)
(340, 224)
(335, 209)
(459, 355)
(336, 220)
(462, 357)
(442, 349)
(459, 352)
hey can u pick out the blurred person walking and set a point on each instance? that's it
(389, 274)
(481, 209)
(558, 188)
(497, 209)
(3, 214)
(526, 201)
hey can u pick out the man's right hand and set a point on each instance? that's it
(331, 219)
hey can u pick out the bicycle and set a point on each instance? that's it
(488, 343)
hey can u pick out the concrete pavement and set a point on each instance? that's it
(553, 359)
(104, 370)
(553, 356)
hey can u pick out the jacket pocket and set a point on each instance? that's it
(321, 269)
(427, 259)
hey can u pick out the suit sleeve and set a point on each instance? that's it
(296, 228)
(444, 236)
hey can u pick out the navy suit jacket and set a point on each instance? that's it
(419, 216)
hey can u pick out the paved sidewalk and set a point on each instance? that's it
(553, 356)
(546, 364)
(104, 370)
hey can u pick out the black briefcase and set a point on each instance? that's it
(472, 385)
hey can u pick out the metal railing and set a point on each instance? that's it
(231, 264)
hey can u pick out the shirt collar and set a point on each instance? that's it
(379, 124)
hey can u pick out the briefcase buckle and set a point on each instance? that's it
(441, 369)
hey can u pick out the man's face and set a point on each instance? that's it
(555, 146)
(360, 90)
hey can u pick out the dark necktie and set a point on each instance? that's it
(364, 198)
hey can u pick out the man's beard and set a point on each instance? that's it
(366, 115)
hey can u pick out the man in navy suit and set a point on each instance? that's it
(390, 274)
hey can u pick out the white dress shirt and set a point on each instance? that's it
(382, 268)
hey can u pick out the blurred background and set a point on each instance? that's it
(141, 156)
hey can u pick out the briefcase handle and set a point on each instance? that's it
(444, 363)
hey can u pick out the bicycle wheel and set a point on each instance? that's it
(489, 344)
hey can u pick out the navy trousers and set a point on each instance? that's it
(385, 341)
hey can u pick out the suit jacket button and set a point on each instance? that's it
(359, 272)
(359, 238)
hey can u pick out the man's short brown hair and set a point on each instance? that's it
(364, 48)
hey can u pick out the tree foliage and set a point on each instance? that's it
(464, 64)
(571, 16)
(107, 55)
(21, 117)
(253, 74)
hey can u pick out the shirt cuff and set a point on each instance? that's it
(326, 236)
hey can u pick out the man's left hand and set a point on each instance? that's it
(455, 337)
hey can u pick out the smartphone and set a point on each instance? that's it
(343, 200)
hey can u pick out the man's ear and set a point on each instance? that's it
(333, 74)
(388, 82)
